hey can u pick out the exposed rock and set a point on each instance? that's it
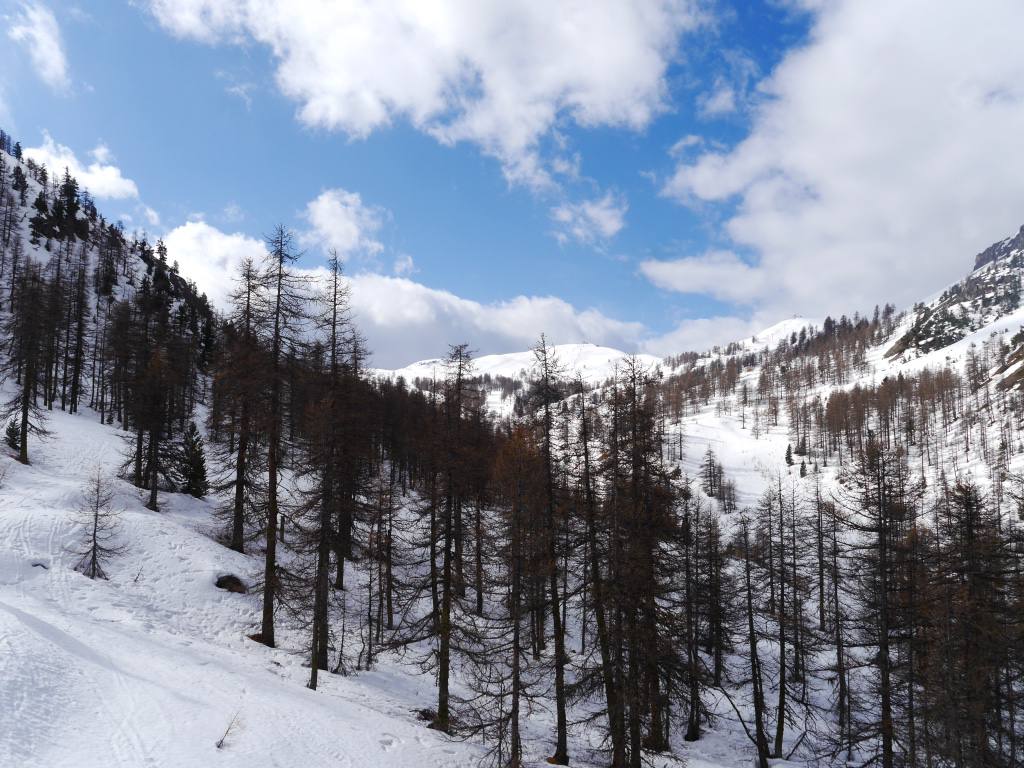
(231, 584)
(1000, 250)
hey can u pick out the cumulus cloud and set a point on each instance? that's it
(340, 220)
(701, 334)
(721, 274)
(497, 74)
(211, 257)
(36, 28)
(404, 320)
(590, 221)
(883, 153)
(100, 177)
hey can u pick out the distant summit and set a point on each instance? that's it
(1004, 248)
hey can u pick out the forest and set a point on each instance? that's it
(554, 571)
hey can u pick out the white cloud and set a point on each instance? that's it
(590, 221)
(232, 213)
(5, 112)
(685, 143)
(882, 155)
(211, 257)
(701, 334)
(721, 274)
(403, 266)
(37, 29)
(151, 216)
(721, 101)
(730, 91)
(100, 177)
(340, 220)
(404, 320)
(499, 74)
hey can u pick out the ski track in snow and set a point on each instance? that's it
(148, 669)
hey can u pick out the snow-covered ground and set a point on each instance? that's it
(150, 667)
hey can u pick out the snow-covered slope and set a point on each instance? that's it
(594, 363)
(991, 292)
(150, 667)
(770, 337)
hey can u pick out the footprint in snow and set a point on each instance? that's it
(388, 742)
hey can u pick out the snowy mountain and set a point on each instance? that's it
(989, 294)
(160, 666)
(593, 363)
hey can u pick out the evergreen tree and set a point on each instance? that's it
(40, 224)
(192, 463)
(24, 329)
(286, 298)
(12, 435)
(20, 184)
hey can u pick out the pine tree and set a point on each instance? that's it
(547, 372)
(24, 329)
(192, 462)
(239, 383)
(12, 435)
(20, 185)
(101, 525)
(286, 297)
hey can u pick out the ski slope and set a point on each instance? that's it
(150, 667)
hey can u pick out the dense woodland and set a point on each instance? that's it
(866, 610)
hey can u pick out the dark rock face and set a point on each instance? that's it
(991, 291)
(231, 584)
(1000, 250)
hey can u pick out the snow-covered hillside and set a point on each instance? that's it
(988, 294)
(593, 363)
(151, 667)
(157, 666)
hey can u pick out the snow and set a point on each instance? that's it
(594, 363)
(770, 337)
(149, 668)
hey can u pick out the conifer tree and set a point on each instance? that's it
(101, 526)
(546, 385)
(24, 329)
(192, 462)
(286, 296)
(12, 435)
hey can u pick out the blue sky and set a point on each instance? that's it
(661, 171)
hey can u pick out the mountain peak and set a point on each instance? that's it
(1000, 250)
